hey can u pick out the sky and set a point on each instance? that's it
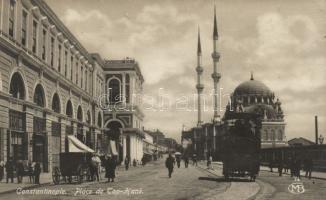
(282, 42)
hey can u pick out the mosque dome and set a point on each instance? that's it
(252, 87)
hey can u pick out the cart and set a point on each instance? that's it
(75, 164)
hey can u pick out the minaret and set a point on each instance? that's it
(199, 86)
(216, 76)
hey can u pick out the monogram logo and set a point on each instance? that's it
(296, 187)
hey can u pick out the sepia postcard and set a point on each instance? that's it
(162, 99)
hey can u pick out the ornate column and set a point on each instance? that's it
(124, 87)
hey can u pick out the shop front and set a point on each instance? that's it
(17, 138)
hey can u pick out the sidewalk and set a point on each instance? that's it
(314, 175)
(45, 179)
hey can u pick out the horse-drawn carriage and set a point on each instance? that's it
(75, 164)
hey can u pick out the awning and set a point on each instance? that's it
(76, 145)
(113, 148)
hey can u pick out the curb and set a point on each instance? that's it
(312, 177)
(209, 171)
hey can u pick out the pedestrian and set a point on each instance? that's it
(10, 170)
(99, 165)
(134, 163)
(308, 165)
(37, 172)
(110, 168)
(30, 172)
(2, 170)
(271, 165)
(186, 160)
(169, 163)
(209, 162)
(292, 167)
(127, 163)
(20, 171)
(194, 159)
(298, 168)
(178, 159)
(143, 161)
(95, 163)
(280, 167)
(286, 166)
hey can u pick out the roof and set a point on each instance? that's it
(261, 110)
(252, 87)
(300, 142)
(97, 57)
(124, 64)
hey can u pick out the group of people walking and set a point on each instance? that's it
(32, 170)
(170, 162)
(295, 166)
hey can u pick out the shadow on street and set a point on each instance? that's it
(222, 179)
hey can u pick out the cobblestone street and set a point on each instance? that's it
(152, 182)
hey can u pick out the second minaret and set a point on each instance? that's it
(199, 86)
(215, 75)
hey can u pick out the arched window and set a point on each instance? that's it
(39, 96)
(280, 136)
(114, 91)
(99, 120)
(272, 135)
(80, 113)
(265, 135)
(114, 130)
(69, 109)
(252, 100)
(56, 103)
(88, 118)
(17, 86)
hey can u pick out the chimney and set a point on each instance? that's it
(316, 128)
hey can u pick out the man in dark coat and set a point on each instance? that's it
(37, 172)
(178, 161)
(280, 167)
(2, 170)
(10, 170)
(110, 168)
(20, 171)
(194, 160)
(127, 162)
(298, 168)
(308, 165)
(186, 160)
(169, 163)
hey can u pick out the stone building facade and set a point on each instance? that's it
(123, 116)
(51, 87)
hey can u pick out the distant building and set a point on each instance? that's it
(123, 116)
(300, 142)
(158, 137)
(171, 144)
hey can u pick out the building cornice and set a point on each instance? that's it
(32, 59)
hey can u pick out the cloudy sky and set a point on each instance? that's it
(282, 42)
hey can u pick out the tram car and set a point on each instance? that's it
(272, 156)
(241, 146)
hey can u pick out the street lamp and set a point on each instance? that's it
(321, 139)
